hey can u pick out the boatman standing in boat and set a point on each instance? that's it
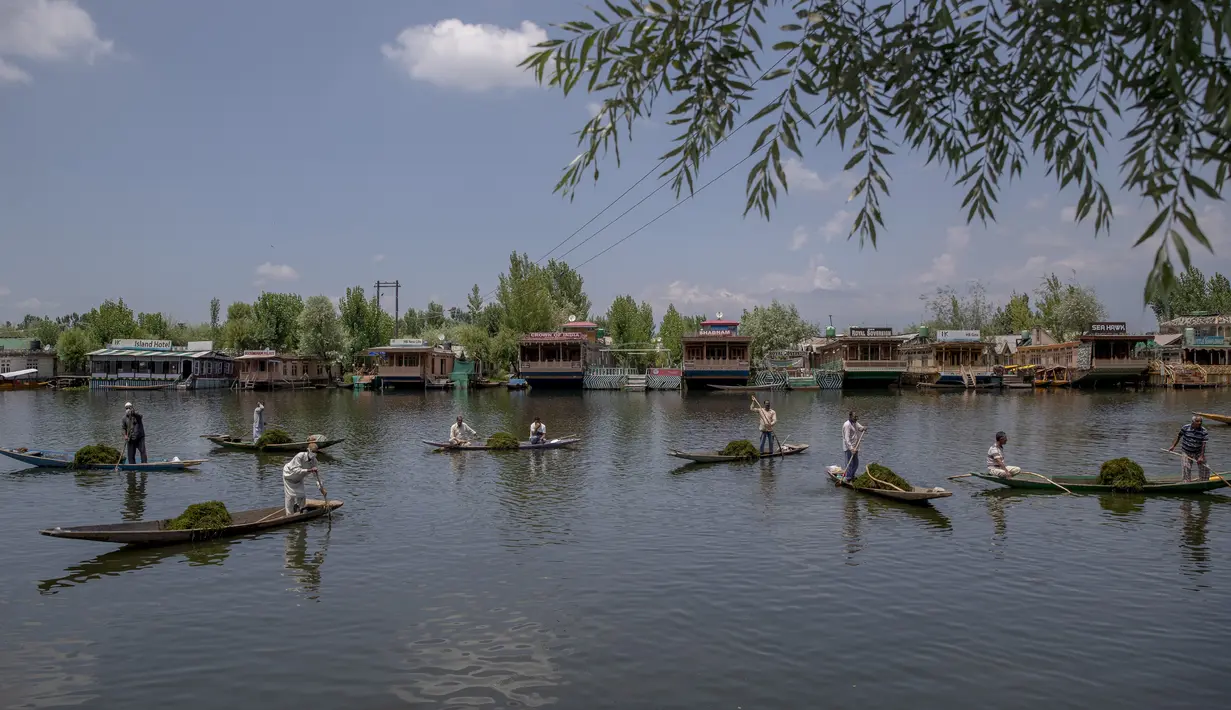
(258, 421)
(134, 433)
(458, 432)
(538, 431)
(293, 473)
(1192, 439)
(995, 458)
(852, 435)
(768, 419)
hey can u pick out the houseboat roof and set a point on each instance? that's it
(723, 335)
(410, 345)
(1164, 339)
(719, 321)
(580, 324)
(1099, 337)
(1194, 320)
(555, 336)
(272, 355)
(1044, 346)
(158, 354)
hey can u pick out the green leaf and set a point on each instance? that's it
(1154, 225)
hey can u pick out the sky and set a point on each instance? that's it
(173, 152)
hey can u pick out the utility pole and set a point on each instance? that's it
(397, 314)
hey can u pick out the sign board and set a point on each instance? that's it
(1108, 329)
(555, 336)
(1209, 340)
(863, 332)
(666, 372)
(719, 333)
(138, 344)
(958, 336)
(261, 353)
(199, 345)
(410, 342)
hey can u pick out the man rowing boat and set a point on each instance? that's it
(293, 474)
(458, 432)
(852, 434)
(995, 458)
(768, 419)
(1192, 438)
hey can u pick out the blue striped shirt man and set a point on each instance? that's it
(1192, 439)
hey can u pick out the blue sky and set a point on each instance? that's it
(171, 152)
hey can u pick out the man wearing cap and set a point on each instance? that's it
(293, 473)
(1192, 439)
(538, 431)
(133, 425)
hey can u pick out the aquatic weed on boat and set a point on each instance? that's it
(1123, 474)
(87, 456)
(741, 448)
(883, 473)
(211, 515)
(503, 441)
(273, 436)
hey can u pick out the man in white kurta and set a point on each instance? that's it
(538, 431)
(258, 421)
(458, 432)
(293, 474)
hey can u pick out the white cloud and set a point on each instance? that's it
(801, 178)
(47, 31)
(275, 272)
(838, 224)
(454, 54)
(378, 258)
(1068, 214)
(943, 269)
(816, 277)
(799, 238)
(1038, 203)
(957, 237)
(593, 108)
(696, 297)
(30, 303)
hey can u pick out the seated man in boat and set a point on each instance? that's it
(1192, 438)
(995, 458)
(134, 434)
(768, 419)
(458, 432)
(538, 431)
(293, 473)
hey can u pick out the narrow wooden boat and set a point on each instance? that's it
(745, 388)
(1223, 418)
(524, 445)
(915, 496)
(717, 457)
(1086, 484)
(234, 442)
(441, 384)
(44, 458)
(483, 384)
(149, 533)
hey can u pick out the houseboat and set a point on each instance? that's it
(1192, 351)
(25, 363)
(152, 364)
(1109, 355)
(1050, 363)
(269, 369)
(864, 357)
(558, 358)
(954, 359)
(411, 362)
(716, 355)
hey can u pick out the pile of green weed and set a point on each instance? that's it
(1122, 474)
(884, 475)
(212, 515)
(741, 448)
(503, 441)
(273, 436)
(87, 456)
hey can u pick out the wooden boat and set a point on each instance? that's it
(1223, 418)
(745, 388)
(483, 384)
(141, 388)
(524, 445)
(717, 457)
(234, 442)
(440, 384)
(517, 383)
(44, 458)
(148, 533)
(915, 496)
(1086, 484)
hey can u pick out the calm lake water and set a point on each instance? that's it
(609, 576)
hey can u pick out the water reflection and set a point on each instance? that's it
(134, 496)
(304, 569)
(40, 674)
(492, 657)
(124, 560)
(1194, 523)
(1122, 505)
(539, 492)
(851, 528)
(927, 515)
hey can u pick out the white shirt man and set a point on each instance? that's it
(538, 431)
(851, 431)
(458, 432)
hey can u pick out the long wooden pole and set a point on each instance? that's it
(1186, 456)
(868, 471)
(1045, 478)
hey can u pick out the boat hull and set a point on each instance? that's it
(744, 388)
(292, 447)
(916, 496)
(1221, 418)
(1085, 484)
(522, 446)
(42, 458)
(151, 533)
(716, 457)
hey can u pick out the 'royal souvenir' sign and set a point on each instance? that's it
(862, 332)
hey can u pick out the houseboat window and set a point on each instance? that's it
(320, 370)
(4, 365)
(433, 366)
(529, 353)
(716, 352)
(294, 369)
(31, 364)
(739, 352)
(575, 353)
(694, 352)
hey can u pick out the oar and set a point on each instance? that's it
(961, 475)
(1045, 478)
(123, 448)
(868, 471)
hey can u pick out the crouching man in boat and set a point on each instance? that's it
(995, 458)
(1192, 438)
(458, 432)
(134, 434)
(768, 419)
(538, 431)
(293, 473)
